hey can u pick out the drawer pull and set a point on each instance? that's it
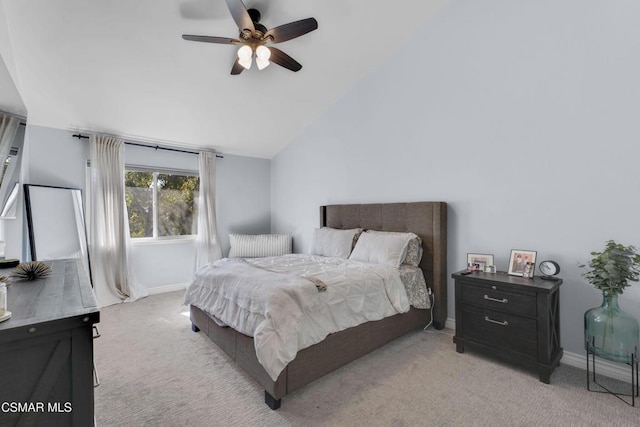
(488, 319)
(503, 300)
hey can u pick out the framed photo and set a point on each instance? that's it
(479, 262)
(522, 263)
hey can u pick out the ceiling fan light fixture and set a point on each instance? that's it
(245, 53)
(253, 36)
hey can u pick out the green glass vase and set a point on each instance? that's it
(609, 332)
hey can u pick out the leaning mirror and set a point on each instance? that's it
(56, 224)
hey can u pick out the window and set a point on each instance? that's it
(161, 203)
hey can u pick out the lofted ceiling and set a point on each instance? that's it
(121, 67)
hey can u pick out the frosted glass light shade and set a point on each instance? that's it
(262, 57)
(263, 52)
(245, 53)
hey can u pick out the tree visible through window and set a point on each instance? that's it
(161, 204)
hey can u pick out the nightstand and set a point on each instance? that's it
(510, 317)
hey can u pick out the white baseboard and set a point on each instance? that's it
(609, 369)
(167, 288)
(450, 323)
(606, 368)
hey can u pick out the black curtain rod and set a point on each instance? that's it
(157, 147)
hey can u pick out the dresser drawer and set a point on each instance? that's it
(499, 329)
(523, 304)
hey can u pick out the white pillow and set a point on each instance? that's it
(381, 248)
(413, 254)
(333, 242)
(259, 245)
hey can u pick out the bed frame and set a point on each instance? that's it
(426, 219)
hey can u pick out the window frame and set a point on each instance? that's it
(155, 239)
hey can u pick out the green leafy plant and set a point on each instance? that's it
(612, 269)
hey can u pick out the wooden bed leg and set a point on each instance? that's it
(438, 325)
(271, 401)
(194, 328)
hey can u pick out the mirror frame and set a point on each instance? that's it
(32, 243)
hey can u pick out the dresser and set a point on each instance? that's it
(510, 317)
(46, 349)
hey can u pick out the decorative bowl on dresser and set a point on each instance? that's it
(514, 318)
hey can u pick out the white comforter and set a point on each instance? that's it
(271, 300)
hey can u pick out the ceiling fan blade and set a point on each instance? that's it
(292, 30)
(237, 68)
(284, 60)
(240, 15)
(210, 39)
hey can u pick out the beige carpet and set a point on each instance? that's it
(155, 372)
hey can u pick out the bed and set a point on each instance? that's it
(428, 220)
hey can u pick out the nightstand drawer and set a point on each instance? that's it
(502, 330)
(508, 302)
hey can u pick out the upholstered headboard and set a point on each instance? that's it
(426, 219)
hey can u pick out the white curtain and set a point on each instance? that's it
(81, 228)
(207, 246)
(109, 225)
(8, 129)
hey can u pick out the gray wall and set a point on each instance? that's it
(54, 157)
(521, 115)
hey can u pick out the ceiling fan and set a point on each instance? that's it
(254, 38)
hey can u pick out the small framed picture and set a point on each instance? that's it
(522, 263)
(529, 268)
(479, 262)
